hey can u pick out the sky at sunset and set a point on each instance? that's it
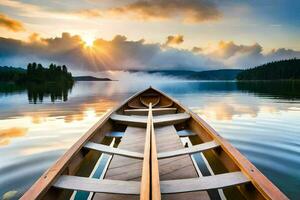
(98, 35)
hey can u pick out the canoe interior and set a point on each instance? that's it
(80, 161)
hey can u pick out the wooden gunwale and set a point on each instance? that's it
(261, 183)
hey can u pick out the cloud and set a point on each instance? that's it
(90, 13)
(123, 54)
(174, 39)
(197, 49)
(245, 56)
(116, 54)
(192, 11)
(10, 24)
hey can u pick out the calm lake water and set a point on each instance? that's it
(260, 119)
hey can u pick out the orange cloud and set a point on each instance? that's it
(197, 49)
(7, 134)
(11, 24)
(90, 13)
(192, 11)
(174, 39)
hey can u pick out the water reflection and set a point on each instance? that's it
(7, 134)
(36, 93)
(262, 123)
(279, 89)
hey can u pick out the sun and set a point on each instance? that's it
(88, 41)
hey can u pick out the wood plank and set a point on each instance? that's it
(155, 182)
(146, 174)
(193, 149)
(180, 167)
(155, 111)
(112, 150)
(203, 183)
(141, 121)
(124, 168)
(96, 185)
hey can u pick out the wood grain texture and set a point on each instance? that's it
(123, 168)
(141, 121)
(96, 185)
(203, 183)
(155, 182)
(155, 111)
(193, 149)
(180, 167)
(146, 171)
(112, 150)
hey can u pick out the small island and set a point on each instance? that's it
(36, 74)
(90, 78)
(277, 70)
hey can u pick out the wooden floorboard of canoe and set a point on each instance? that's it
(179, 167)
(123, 168)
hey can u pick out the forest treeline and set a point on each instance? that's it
(277, 70)
(36, 73)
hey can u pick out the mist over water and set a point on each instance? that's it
(261, 120)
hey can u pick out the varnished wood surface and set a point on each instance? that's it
(193, 149)
(113, 151)
(123, 168)
(134, 120)
(96, 185)
(204, 183)
(155, 111)
(155, 180)
(180, 167)
(146, 171)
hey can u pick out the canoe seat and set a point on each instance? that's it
(112, 150)
(96, 185)
(193, 149)
(134, 120)
(203, 183)
(155, 111)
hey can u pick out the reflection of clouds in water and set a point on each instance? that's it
(228, 108)
(75, 110)
(7, 134)
(9, 195)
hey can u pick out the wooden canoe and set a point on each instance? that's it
(152, 147)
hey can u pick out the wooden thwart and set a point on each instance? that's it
(155, 111)
(193, 149)
(157, 120)
(96, 185)
(112, 150)
(203, 183)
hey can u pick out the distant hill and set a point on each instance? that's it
(278, 70)
(90, 78)
(11, 74)
(222, 74)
